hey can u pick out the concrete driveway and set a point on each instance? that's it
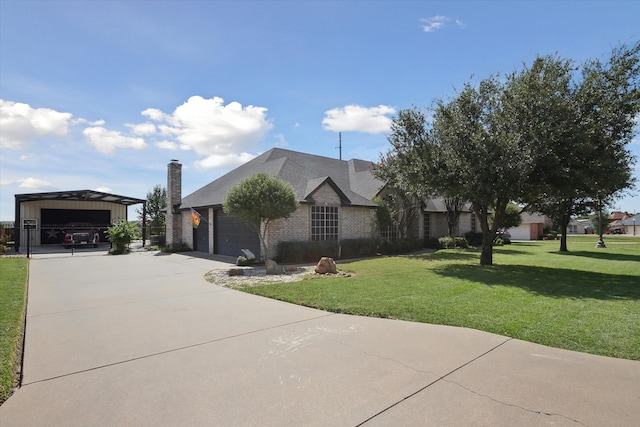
(143, 339)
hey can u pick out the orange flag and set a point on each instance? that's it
(195, 218)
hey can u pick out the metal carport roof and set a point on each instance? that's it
(79, 195)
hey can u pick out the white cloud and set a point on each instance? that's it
(224, 160)
(461, 24)
(212, 129)
(154, 114)
(436, 22)
(106, 141)
(167, 145)
(359, 119)
(142, 128)
(20, 123)
(34, 183)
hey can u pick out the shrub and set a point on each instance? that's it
(399, 246)
(358, 248)
(452, 243)
(121, 235)
(242, 261)
(474, 238)
(432, 243)
(182, 247)
(299, 252)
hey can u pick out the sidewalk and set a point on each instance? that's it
(143, 339)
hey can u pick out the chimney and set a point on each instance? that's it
(174, 199)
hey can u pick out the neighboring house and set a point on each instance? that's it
(433, 220)
(615, 222)
(335, 199)
(531, 228)
(631, 225)
(335, 203)
(580, 226)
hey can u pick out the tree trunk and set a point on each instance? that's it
(486, 257)
(564, 223)
(488, 235)
(262, 235)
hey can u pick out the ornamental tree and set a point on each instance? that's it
(258, 200)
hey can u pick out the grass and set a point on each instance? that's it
(13, 289)
(585, 300)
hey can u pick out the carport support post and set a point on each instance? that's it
(144, 223)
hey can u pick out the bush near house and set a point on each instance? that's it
(299, 252)
(474, 238)
(452, 243)
(403, 246)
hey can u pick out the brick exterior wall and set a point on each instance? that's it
(174, 221)
(353, 222)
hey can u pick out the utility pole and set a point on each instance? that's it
(340, 144)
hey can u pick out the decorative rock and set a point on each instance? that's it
(273, 267)
(326, 265)
(236, 272)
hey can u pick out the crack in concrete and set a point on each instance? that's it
(437, 380)
(533, 411)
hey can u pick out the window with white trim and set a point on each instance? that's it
(324, 223)
(473, 222)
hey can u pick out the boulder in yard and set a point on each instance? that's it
(326, 265)
(236, 272)
(273, 267)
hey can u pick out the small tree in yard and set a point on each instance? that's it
(156, 206)
(120, 235)
(258, 200)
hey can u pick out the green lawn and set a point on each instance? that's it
(13, 288)
(586, 300)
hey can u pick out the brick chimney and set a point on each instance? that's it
(174, 199)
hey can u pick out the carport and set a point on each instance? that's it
(44, 217)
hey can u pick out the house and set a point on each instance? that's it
(433, 219)
(531, 227)
(580, 226)
(629, 225)
(335, 203)
(615, 222)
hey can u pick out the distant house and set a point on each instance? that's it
(434, 220)
(615, 222)
(531, 228)
(629, 225)
(335, 203)
(580, 226)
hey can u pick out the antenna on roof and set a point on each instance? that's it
(340, 144)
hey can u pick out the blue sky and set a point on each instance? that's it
(103, 94)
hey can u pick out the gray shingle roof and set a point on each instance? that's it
(305, 173)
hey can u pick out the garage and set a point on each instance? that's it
(201, 233)
(231, 235)
(45, 218)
